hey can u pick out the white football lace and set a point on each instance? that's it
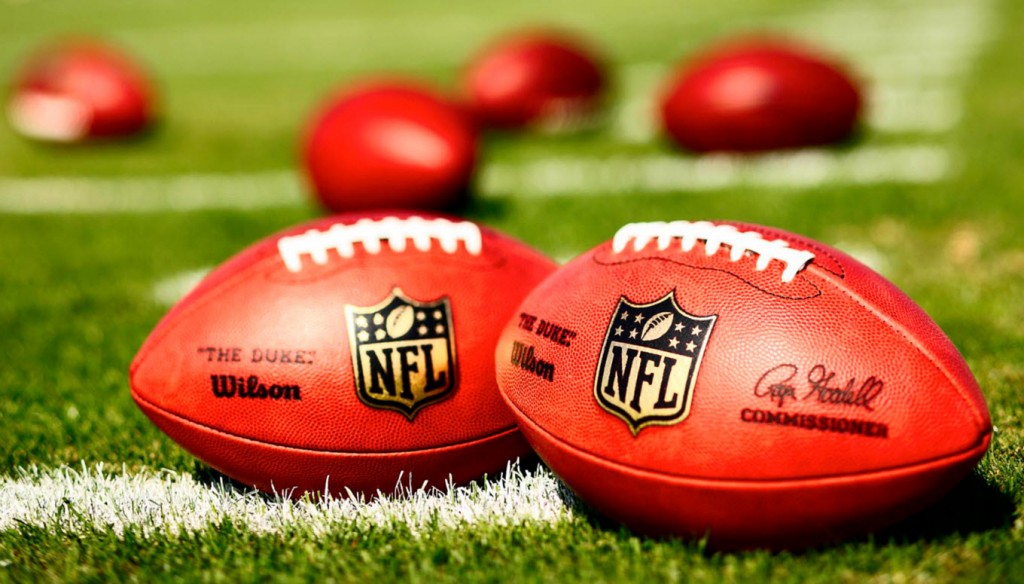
(714, 236)
(372, 233)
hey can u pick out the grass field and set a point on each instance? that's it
(96, 243)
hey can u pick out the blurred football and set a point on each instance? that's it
(760, 95)
(794, 397)
(344, 355)
(388, 145)
(73, 91)
(545, 79)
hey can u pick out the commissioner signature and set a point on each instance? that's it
(782, 383)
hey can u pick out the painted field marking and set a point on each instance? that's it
(666, 173)
(156, 194)
(167, 291)
(81, 499)
(549, 177)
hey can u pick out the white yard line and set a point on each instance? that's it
(549, 177)
(155, 194)
(167, 291)
(81, 499)
(653, 174)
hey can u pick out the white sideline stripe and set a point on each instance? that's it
(575, 176)
(188, 192)
(78, 500)
(169, 290)
(552, 176)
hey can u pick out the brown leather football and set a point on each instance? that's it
(343, 355)
(739, 382)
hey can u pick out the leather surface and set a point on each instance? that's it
(524, 79)
(115, 92)
(836, 327)
(390, 144)
(253, 303)
(294, 471)
(782, 514)
(760, 95)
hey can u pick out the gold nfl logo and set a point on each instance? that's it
(403, 352)
(649, 362)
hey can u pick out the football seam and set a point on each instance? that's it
(761, 481)
(818, 250)
(728, 272)
(299, 279)
(180, 418)
(915, 342)
(797, 243)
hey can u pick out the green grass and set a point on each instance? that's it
(575, 552)
(75, 290)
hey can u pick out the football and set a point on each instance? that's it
(760, 95)
(389, 144)
(549, 80)
(74, 91)
(345, 356)
(739, 382)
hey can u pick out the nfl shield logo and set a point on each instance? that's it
(649, 362)
(403, 352)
